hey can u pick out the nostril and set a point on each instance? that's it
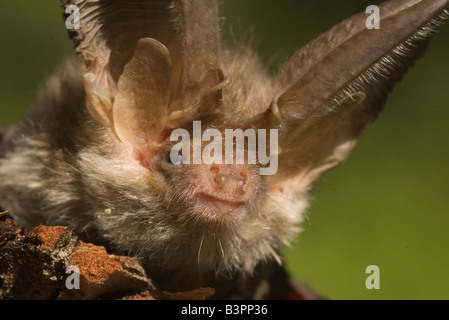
(244, 176)
(229, 179)
(220, 179)
(214, 170)
(241, 182)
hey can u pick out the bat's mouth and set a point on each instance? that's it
(219, 210)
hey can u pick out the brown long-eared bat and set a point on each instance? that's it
(100, 151)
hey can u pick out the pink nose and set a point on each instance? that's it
(229, 178)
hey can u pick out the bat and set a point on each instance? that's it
(96, 153)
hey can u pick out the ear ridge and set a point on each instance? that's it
(203, 73)
(320, 143)
(378, 59)
(325, 119)
(143, 92)
(107, 39)
(351, 53)
(117, 25)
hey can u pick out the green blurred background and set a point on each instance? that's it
(387, 205)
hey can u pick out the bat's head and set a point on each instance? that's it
(170, 100)
(213, 195)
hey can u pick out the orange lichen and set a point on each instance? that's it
(48, 237)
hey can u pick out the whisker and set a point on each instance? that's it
(199, 256)
(274, 254)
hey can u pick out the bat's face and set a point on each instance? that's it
(214, 175)
(212, 194)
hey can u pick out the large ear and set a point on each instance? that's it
(150, 64)
(330, 90)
